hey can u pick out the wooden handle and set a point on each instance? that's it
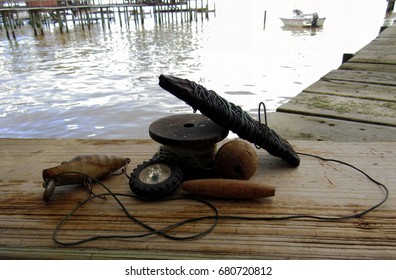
(228, 188)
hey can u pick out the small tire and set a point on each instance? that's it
(155, 178)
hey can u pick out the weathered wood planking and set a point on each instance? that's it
(353, 89)
(361, 90)
(360, 66)
(315, 187)
(381, 50)
(365, 77)
(343, 108)
(379, 57)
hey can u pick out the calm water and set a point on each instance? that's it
(104, 83)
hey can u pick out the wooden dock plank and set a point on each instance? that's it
(381, 50)
(343, 108)
(375, 57)
(379, 44)
(367, 77)
(367, 66)
(389, 32)
(353, 89)
(315, 187)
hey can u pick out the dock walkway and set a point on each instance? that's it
(360, 96)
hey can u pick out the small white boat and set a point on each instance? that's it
(304, 20)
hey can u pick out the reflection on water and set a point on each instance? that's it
(298, 31)
(103, 82)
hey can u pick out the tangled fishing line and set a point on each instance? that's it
(214, 218)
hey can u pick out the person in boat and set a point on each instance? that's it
(297, 12)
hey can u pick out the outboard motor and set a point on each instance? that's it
(315, 18)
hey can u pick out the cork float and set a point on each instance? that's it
(228, 188)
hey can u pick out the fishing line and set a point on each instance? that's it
(151, 230)
(188, 157)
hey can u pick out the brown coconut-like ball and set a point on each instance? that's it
(236, 160)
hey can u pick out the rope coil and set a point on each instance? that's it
(195, 163)
(230, 116)
(189, 158)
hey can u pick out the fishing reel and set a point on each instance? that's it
(155, 178)
(187, 149)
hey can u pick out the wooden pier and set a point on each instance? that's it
(43, 13)
(361, 92)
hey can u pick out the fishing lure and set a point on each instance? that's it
(79, 170)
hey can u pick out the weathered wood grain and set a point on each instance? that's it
(342, 108)
(315, 187)
(367, 66)
(361, 90)
(368, 77)
(353, 89)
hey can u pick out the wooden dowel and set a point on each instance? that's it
(228, 188)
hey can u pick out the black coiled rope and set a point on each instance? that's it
(230, 116)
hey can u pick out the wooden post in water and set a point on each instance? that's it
(108, 18)
(202, 10)
(81, 18)
(119, 16)
(190, 11)
(207, 10)
(88, 19)
(32, 22)
(10, 24)
(126, 16)
(6, 25)
(390, 6)
(73, 18)
(59, 20)
(265, 18)
(155, 14)
(102, 17)
(141, 15)
(65, 19)
(167, 13)
(40, 21)
(135, 16)
(159, 14)
(196, 10)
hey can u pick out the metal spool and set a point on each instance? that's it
(188, 140)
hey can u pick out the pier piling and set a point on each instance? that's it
(88, 12)
(390, 7)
